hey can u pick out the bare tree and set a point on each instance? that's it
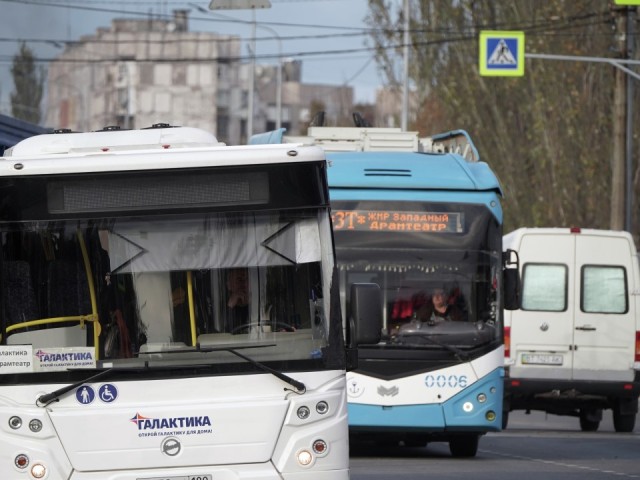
(28, 81)
(547, 134)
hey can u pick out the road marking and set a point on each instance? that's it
(561, 464)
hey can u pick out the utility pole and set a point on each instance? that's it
(405, 67)
(631, 20)
(619, 126)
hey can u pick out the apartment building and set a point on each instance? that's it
(139, 72)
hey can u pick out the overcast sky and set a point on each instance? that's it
(335, 51)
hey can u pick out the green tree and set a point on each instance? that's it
(28, 81)
(547, 134)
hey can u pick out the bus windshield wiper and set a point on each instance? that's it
(299, 387)
(47, 398)
(461, 355)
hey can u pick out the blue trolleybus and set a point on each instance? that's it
(421, 218)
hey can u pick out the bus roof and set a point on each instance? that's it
(409, 170)
(365, 157)
(368, 139)
(147, 149)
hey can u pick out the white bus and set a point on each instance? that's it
(119, 356)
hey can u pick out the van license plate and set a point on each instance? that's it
(180, 477)
(541, 359)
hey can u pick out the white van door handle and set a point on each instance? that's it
(586, 328)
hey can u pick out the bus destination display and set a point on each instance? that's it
(397, 221)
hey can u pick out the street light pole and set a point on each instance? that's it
(252, 76)
(278, 76)
(245, 5)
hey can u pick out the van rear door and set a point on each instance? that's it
(542, 330)
(604, 325)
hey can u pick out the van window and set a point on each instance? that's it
(604, 289)
(544, 287)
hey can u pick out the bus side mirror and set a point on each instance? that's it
(365, 319)
(511, 279)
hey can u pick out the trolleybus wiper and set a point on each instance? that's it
(459, 353)
(298, 386)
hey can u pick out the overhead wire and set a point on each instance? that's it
(557, 26)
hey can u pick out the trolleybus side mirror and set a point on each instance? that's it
(511, 280)
(365, 317)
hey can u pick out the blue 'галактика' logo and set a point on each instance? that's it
(52, 357)
(148, 423)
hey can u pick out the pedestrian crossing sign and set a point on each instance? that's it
(501, 54)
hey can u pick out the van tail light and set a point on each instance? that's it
(637, 355)
(507, 342)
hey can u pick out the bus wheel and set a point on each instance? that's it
(623, 422)
(464, 445)
(590, 420)
(505, 420)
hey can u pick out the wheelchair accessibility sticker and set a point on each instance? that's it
(108, 393)
(86, 394)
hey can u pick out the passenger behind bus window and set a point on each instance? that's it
(238, 299)
(439, 308)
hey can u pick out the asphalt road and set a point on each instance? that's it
(534, 447)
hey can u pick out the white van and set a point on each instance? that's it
(573, 348)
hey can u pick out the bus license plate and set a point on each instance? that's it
(541, 359)
(180, 477)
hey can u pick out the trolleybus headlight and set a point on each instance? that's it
(21, 461)
(490, 415)
(322, 407)
(320, 447)
(38, 470)
(303, 412)
(467, 407)
(15, 422)
(482, 397)
(305, 458)
(35, 425)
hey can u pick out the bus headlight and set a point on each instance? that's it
(21, 461)
(482, 397)
(15, 422)
(490, 415)
(305, 458)
(38, 470)
(320, 447)
(35, 425)
(303, 412)
(322, 407)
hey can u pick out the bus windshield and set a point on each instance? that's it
(438, 269)
(166, 290)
